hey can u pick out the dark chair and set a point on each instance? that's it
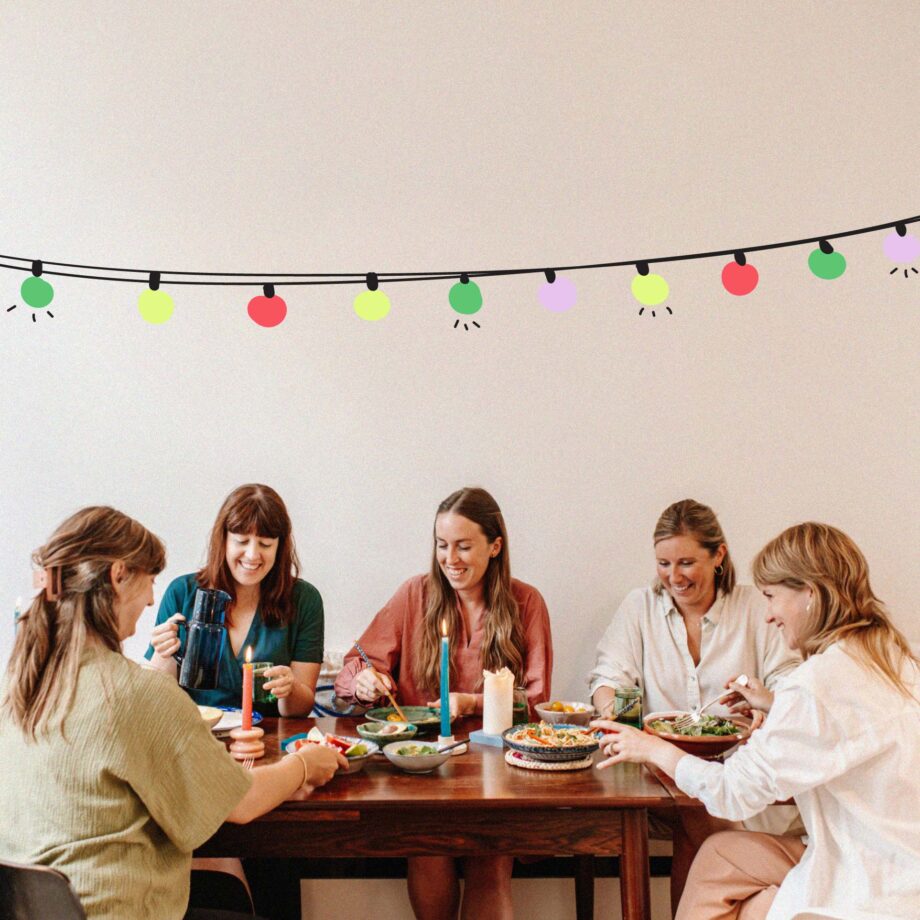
(28, 892)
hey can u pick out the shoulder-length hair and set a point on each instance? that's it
(45, 664)
(689, 518)
(843, 606)
(255, 509)
(503, 638)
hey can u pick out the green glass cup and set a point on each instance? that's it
(627, 706)
(520, 708)
(259, 693)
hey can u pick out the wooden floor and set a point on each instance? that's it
(536, 898)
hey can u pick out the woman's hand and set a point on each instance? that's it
(625, 744)
(752, 696)
(281, 682)
(371, 686)
(321, 762)
(165, 637)
(461, 704)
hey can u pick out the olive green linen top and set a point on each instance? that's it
(118, 804)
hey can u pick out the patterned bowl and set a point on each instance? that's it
(550, 754)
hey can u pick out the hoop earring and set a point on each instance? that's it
(719, 569)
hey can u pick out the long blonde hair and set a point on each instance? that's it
(689, 518)
(503, 639)
(43, 669)
(843, 606)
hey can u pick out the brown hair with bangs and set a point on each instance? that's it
(258, 509)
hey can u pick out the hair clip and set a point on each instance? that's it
(48, 579)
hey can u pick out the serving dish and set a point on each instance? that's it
(553, 750)
(699, 745)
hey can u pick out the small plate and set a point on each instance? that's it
(232, 718)
(354, 763)
(371, 731)
(423, 717)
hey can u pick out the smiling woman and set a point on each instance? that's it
(251, 556)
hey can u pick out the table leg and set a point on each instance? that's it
(584, 887)
(635, 897)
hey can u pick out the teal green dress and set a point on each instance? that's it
(300, 640)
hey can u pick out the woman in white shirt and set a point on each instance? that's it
(842, 736)
(682, 638)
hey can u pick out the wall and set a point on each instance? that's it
(299, 137)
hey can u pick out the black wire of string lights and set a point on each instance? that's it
(557, 294)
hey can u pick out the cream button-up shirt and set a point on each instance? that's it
(645, 646)
(846, 745)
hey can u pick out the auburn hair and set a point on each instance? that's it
(255, 509)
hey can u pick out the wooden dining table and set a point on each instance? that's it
(474, 804)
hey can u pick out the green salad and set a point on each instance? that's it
(708, 725)
(416, 750)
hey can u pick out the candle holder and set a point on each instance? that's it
(449, 739)
(246, 743)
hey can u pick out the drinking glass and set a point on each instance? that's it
(259, 693)
(628, 706)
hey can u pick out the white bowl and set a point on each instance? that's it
(582, 715)
(211, 715)
(414, 763)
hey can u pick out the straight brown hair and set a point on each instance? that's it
(503, 638)
(258, 509)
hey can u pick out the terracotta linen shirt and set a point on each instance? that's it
(394, 634)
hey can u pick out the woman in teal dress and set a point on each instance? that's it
(274, 613)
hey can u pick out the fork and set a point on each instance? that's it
(248, 763)
(694, 716)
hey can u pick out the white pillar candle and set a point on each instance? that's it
(497, 698)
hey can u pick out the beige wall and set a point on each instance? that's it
(293, 136)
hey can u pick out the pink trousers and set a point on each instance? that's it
(736, 874)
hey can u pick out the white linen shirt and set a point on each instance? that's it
(645, 646)
(846, 746)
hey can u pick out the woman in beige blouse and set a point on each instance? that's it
(682, 639)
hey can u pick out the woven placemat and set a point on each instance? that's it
(517, 759)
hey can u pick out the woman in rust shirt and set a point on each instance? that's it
(495, 621)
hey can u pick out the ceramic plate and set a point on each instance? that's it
(551, 754)
(233, 718)
(423, 717)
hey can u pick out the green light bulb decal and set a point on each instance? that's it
(35, 291)
(466, 299)
(825, 263)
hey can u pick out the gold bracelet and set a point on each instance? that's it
(306, 772)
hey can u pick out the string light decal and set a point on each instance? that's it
(825, 263)
(154, 305)
(35, 291)
(558, 294)
(738, 277)
(649, 289)
(902, 246)
(268, 309)
(372, 304)
(466, 299)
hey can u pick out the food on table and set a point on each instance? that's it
(391, 729)
(416, 750)
(551, 736)
(557, 706)
(394, 717)
(707, 725)
(344, 745)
